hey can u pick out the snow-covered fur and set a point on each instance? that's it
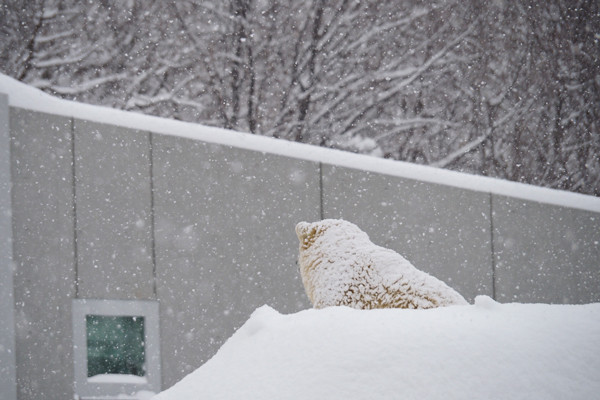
(341, 266)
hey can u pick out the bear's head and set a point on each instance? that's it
(325, 247)
(333, 229)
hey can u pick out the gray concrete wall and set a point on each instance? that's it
(43, 229)
(114, 221)
(545, 253)
(225, 242)
(101, 211)
(442, 230)
(8, 387)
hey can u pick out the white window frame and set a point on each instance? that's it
(125, 308)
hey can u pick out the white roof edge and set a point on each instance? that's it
(26, 97)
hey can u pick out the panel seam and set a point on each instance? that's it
(492, 248)
(321, 211)
(74, 207)
(152, 212)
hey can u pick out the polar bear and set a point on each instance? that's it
(339, 266)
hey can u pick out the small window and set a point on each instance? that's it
(116, 348)
(115, 345)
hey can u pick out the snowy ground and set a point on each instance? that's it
(482, 351)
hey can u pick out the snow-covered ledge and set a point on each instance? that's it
(27, 97)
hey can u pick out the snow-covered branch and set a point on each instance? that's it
(83, 86)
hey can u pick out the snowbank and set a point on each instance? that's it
(27, 97)
(482, 351)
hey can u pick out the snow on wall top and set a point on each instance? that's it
(23, 96)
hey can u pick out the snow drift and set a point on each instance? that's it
(482, 351)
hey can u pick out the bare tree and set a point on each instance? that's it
(506, 89)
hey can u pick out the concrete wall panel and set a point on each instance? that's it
(8, 386)
(442, 230)
(43, 253)
(225, 242)
(114, 219)
(545, 253)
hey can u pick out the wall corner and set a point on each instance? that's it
(8, 385)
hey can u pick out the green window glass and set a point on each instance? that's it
(115, 345)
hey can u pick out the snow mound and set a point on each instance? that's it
(482, 351)
(341, 266)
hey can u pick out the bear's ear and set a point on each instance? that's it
(307, 233)
(302, 230)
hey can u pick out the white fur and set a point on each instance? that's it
(341, 266)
